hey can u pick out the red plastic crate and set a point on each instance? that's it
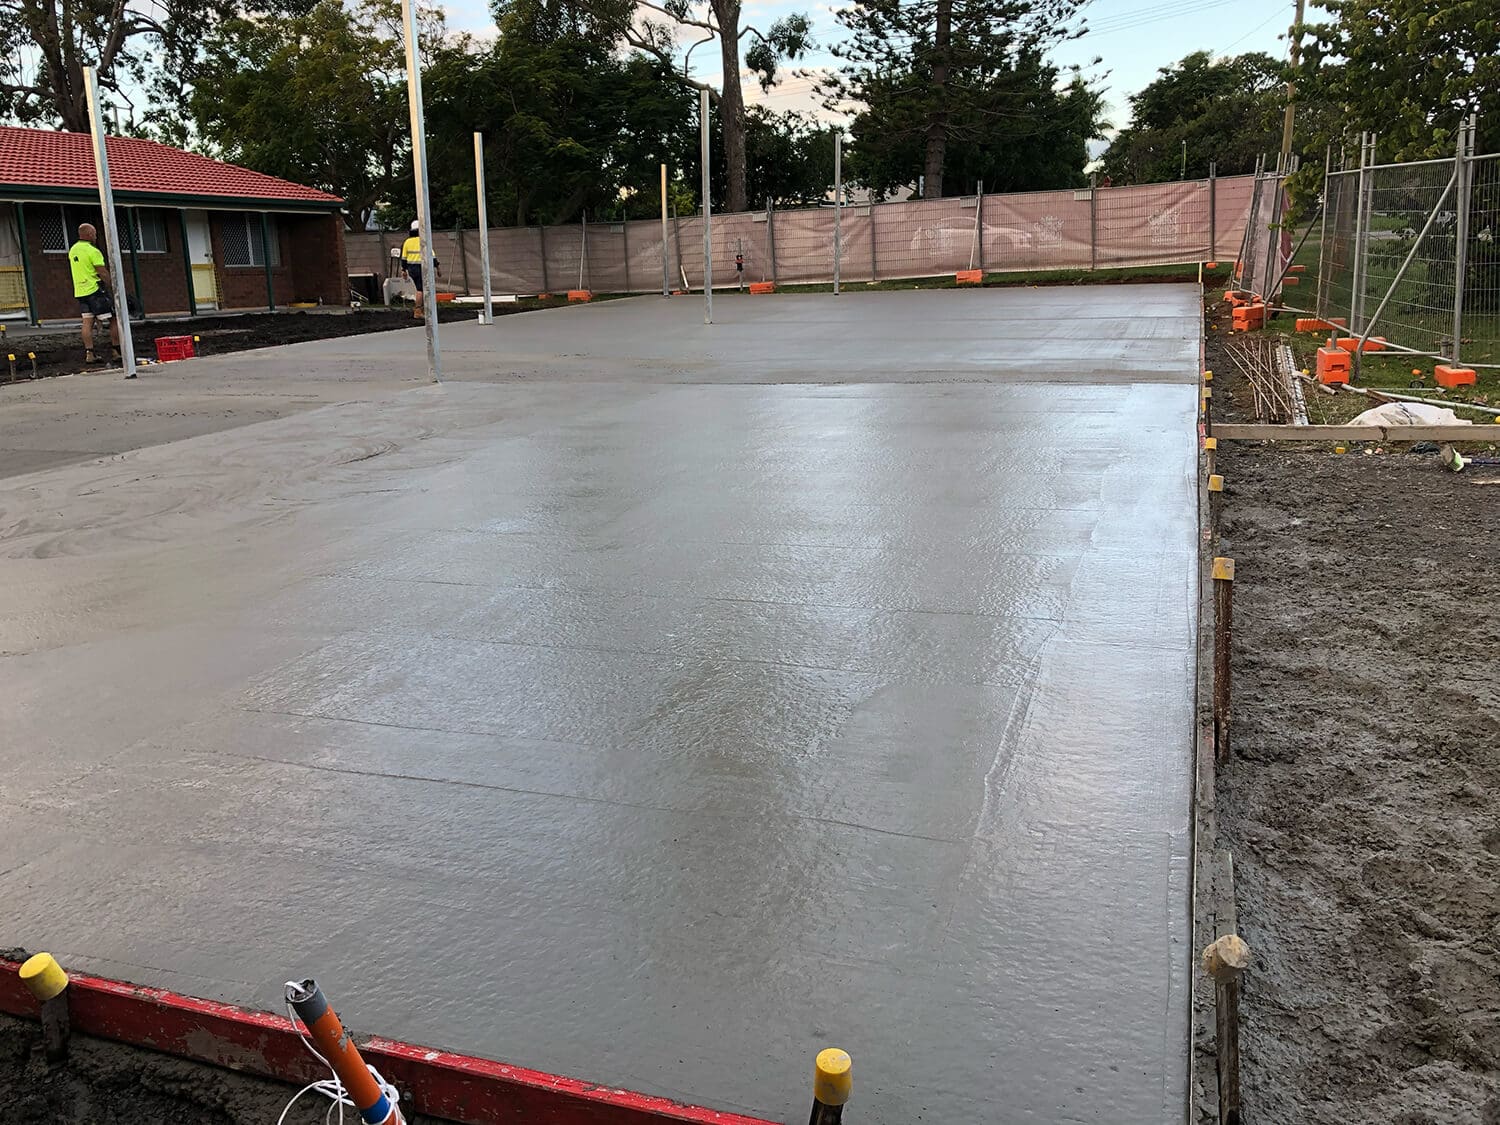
(174, 347)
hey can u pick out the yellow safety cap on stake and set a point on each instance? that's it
(1216, 483)
(31, 355)
(1224, 569)
(1208, 392)
(1208, 376)
(44, 977)
(832, 1079)
(1210, 443)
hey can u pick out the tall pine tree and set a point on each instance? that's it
(945, 81)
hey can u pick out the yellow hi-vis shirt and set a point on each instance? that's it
(85, 258)
(411, 250)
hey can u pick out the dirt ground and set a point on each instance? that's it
(1359, 804)
(61, 353)
(105, 1083)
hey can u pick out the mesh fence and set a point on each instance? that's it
(1140, 225)
(1409, 252)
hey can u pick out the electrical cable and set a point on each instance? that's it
(331, 1088)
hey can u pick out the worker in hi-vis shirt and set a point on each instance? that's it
(91, 288)
(411, 258)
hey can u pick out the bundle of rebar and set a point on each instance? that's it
(1267, 371)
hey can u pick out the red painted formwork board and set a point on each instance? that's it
(444, 1084)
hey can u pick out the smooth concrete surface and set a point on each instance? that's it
(655, 731)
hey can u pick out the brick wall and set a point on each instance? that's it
(163, 282)
(313, 267)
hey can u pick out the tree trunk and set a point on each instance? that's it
(937, 122)
(732, 105)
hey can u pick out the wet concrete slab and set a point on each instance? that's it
(654, 729)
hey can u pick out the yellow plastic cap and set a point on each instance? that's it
(1216, 483)
(1210, 443)
(832, 1079)
(1208, 392)
(44, 977)
(1224, 569)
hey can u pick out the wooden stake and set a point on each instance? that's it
(1211, 449)
(1226, 960)
(1207, 406)
(1223, 621)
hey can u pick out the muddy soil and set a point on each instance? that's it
(1359, 804)
(106, 1083)
(62, 353)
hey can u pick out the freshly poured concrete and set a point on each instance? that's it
(659, 724)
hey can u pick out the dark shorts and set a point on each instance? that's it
(414, 271)
(97, 303)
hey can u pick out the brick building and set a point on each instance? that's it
(197, 234)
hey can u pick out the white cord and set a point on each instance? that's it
(331, 1088)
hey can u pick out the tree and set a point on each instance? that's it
(136, 47)
(654, 26)
(1225, 111)
(969, 75)
(569, 123)
(318, 98)
(1410, 70)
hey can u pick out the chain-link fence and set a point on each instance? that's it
(1408, 252)
(1104, 227)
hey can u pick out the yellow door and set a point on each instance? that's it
(201, 254)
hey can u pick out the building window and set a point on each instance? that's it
(242, 241)
(58, 226)
(150, 232)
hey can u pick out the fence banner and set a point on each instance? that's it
(1137, 225)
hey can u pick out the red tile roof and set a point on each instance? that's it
(45, 159)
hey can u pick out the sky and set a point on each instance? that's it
(1135, 38)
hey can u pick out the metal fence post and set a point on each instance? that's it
(771, 236)
(463, 255)
(1361, 235)
(1273, 238)
(838, 207)
(583, 250)
(979, 228)
(1213, 210)
(1094, 222)
(1463, 172)
(1320, 302)
(541, 237)
(625, 249)
(666, 271)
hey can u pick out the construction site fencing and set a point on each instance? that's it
(1090, 228)
(1409, 252)
(1265, 250)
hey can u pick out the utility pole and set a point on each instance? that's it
(1291, 83)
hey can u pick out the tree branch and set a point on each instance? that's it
(690, 22)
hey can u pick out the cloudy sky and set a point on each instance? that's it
(1133, 37)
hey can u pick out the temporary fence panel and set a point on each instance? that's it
(1481, 308)
(1136, 225)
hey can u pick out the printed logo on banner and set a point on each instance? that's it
(1049, 230)
(1163, 227)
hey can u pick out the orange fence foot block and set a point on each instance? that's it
(1450, 377)
(1210, 265)
(1351, 343)
(1333, 365)
(1299, 269)
(1314, 324)
(762, 287)
(580, 295)
(1247, 318)
(969, 277)
(1293, 280)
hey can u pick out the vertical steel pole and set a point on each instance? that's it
(488, 316)
(583, 250)
(1359, 235)
(979, 228)
(1213, 210)
(1367, 200)
(419, 174)
(1093, 221)
(708, 255)
(111, 227)
(771, 237)
(874, 210)
(666, 270)
(838, 207)
(26, 277)
(541, 238)
(1464, 173)
(1320, 301)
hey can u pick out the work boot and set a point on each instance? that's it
(114, 355)
(89, 356)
